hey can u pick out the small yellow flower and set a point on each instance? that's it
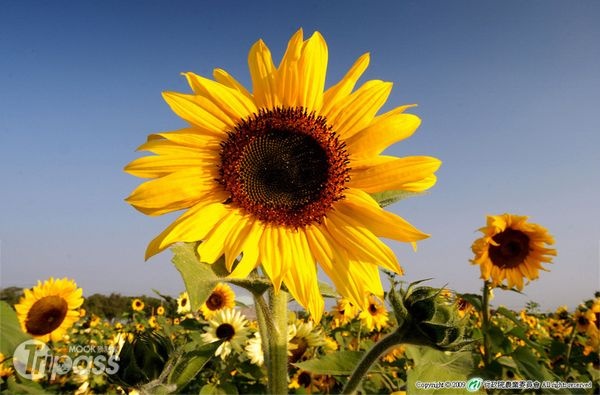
(152, 322)
(375, 316)
(394, 354)
(160, 310)
(48, 310)
(140, 327)
(137, 305)
(512, 249)
(222, 297)
(183, 303)
(5, 370)
(82, 313)
(344, 312)
(585, 321)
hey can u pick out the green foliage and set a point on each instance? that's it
(11, 295)
(10, 329)
(339, 363)
(432, 365)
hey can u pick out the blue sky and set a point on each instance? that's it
(508, 93)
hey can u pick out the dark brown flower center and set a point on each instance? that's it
(512, 249)
(583, 321)
(225, 331)
(372, 309)
(284, 166)
(304, 379)
(301, 347)
(215, 301)
(183, 302)
(46, 315)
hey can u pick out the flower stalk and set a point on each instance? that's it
(485, 313)
(277, 341)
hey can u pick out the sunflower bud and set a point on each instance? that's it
(142, 359)
(435, 319)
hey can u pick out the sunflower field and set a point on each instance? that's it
(274, 186)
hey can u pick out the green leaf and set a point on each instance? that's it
(221, 389)
(199, 278)
(388, 197)
(24, 387)
(327, 290)
(191, 363)
(434, 366)
(335, 364)
(529, 366)
(473, 299)
(10, 330)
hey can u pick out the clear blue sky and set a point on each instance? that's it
(508, 92)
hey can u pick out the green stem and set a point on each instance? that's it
(262, 312)
(277, 339)
(372, 356)
(569, 348)
(485, 325)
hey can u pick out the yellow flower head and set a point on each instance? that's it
(137, 305)
(585, 321)
(512, 249)
(344, 312)
(375, 315)
(160, 310)
(5, 370)
(49, 309)
(283, 174)
(222, 297)
(183, 303)
(152, 322)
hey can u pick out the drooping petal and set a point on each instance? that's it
(193, 225)
(388, 173)
(250, 251)
(275, 254)
(262, 71)
(301, 278)
(362, 207)
(360, 242)
(213, 247)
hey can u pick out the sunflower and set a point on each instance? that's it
(5, 370)
(254, 349)
(153, 323)
(283, 175)
(183, 303)
(344, 312)
(137, 305)
(222, 297)
(305, 336)
(585, 321)
(48, 310)
(375, 315)
(512, 249)
(160, 310)
(231, 327)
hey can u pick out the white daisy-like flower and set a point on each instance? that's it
(231, 327)
(183, 303)
(305, 336)
(254, 348)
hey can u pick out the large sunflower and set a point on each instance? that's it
(512, 249)
(49, 309)
(283, 174)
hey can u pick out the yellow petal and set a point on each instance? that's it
(287, 74)
(262, 71)
(189, 137)
(175, 191)
(230, 101)
(234, 242)
(162, 165)
(312, 69)
(301, 278)
(362, 207)
(226, 79)
(250, 251)
(192, 226)
(214, 244)
(275, 253)
(388, 173)
(359, 241)
(384, 131)
(198, 111)
(357, 111)
(343, 88)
